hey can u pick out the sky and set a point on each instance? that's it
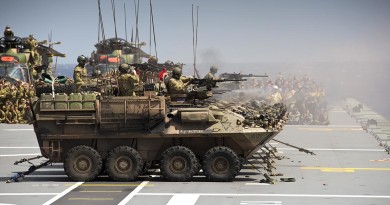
(230, 31)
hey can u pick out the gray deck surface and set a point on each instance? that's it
(350, 168)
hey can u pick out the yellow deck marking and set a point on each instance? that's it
(91, 199)
(331, 129)
(100, 191)
(110, 185)
(336, 169)
(380, 160)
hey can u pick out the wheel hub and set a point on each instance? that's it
(178, 164)
(220, 165)
(123, 164)
(82, 164)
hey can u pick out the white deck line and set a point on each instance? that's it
(12, 130)
(183, 199)
(133, 193)
(326, 149)
(19, 147)
(270, 195)
(16, 155)
(58, 196)
(27, 194)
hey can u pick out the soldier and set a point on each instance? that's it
(2, 115)
(127, 81)
(10, 114)
(32, 45)
(177, 84)
(153, 60)
(8, 31)
(80, 72)
(211, 74)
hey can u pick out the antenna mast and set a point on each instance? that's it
(195, 38)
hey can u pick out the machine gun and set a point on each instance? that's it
(239, 76)
(210, 83)
(148, 67)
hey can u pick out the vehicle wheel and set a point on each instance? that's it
(124, 164)
(82, 163)
(242, 162)
(221, 164)
(178, 163)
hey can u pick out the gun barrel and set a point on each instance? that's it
(254, 76)
(240, 76)
(230, 80)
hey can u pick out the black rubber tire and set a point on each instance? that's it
(242, 163)
(82, 163)
(221, 164)
(124, 163)
(178, 164)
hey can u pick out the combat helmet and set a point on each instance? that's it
(214, 69)
(82, 59)
(176, 72)
(152, 60)
(123, 68)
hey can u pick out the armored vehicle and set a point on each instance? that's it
(90, 133)
(18, 61)
(112, 52)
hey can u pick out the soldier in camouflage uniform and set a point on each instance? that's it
(80, 73)
(32, 45)
(211, 74)
(10, 115)
(2, 115)
(127, 80)
(177, 84)
(21, 111)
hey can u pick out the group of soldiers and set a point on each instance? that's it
(128, 77)
(304, 97)
(14, 102)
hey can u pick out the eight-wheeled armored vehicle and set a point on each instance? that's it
(120, 134)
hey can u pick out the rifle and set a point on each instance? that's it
(239, 76)
(210, 83)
